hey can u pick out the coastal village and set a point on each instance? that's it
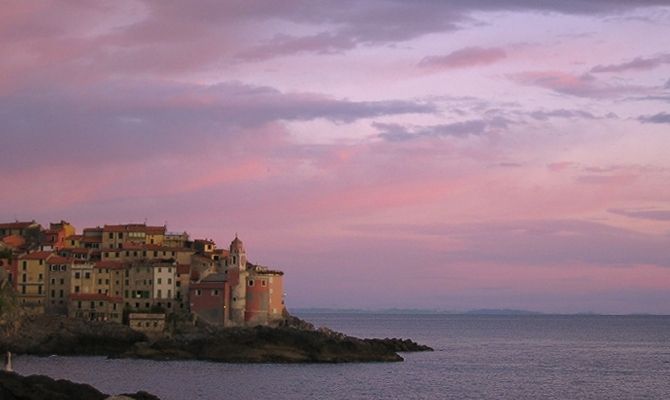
(136, 274)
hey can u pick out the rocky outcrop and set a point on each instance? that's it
(264, 344)
(47, 334)
(399, 345)
(37, 387)
(294, 341)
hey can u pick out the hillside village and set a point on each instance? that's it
(136, 274)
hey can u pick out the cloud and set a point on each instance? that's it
(585, 85)
(660, 118)
(647, 214)
(637, 64)
(476, 127)
(546, 243)
(543, 115)
(466, 57)
(121, 119)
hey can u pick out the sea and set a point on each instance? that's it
(475, 357)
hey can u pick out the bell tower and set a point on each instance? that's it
(237, 276)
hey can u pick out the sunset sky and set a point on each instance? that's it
(413, 154)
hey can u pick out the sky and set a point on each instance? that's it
(440, 154)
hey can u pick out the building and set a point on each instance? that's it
(58, 292)
(95, 307)
(32, 283)
(106, 272)
(241, 294)
(209, 299)
(115, 236)
(54, 237)
(152, 324)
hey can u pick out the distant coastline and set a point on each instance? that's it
(423, 311)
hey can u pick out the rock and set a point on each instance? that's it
(50, 334)
(38, 387)
(400, 345)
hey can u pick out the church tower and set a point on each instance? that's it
(237, 276)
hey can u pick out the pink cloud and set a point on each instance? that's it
(463, 58)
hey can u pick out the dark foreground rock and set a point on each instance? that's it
(294, 342)
(37, 387)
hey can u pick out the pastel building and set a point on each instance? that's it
(31, 282)
(242, 294)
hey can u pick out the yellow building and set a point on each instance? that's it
(116, 236)
(31, 283)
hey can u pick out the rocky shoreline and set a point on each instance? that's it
(294, 342)
(38, 387)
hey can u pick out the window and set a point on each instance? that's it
(251, 282)
(53, 281)
(79, 304)
(111, 235)
(62, 281)
(39, 289)
(60, 294)
(93, 304)
(215, 292)
(63, 267)
(76, 289)
(120, 235)
(169, 281)
(23, 289)
(87, 275)
(169, 293)
(159, 269)
(159, 294)
(159, 281)
(53, 293)
(23, 278)
(77, 275)
(197, 292)
(99, 281)
(264, 283)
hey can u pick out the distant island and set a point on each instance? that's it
(414, 311)
(136, 290)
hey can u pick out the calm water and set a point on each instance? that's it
(476, 357)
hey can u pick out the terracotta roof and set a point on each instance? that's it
(95, 297)
(74, 237)
(58, 260)
(37, 255)
(17, 225)
(110, 264)
(135, 228)
(14, 241)
(79, 250)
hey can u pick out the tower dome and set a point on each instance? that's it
(236, 246)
